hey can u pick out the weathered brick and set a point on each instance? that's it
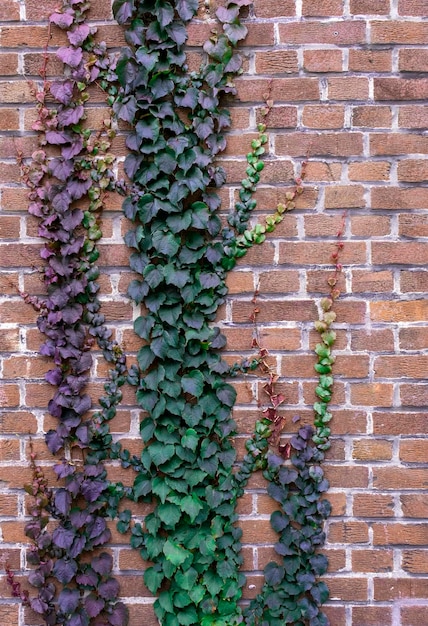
(398, 32)
(348, 88)
(362, 60)
(372, 116)
(323, 117)
(373, 505)
(323, 60)
(335, 32)
(319, 8)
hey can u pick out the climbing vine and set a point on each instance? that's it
(181, 252)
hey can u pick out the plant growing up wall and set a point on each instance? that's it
(182, 252)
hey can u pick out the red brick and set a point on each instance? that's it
(319, 8)
(337, 33)
(370, 225)
(387, 589)
(397, 143)
(412, 7)
(402, 478)
(323, 60)
(340, 477)
(413, 60)
(415, 116)
(413, 395)
(370, 60)
(345, 197)
(277, 62)
(414, 338)
(412, 171)
(320, 225)
(371, 616)
(379, 340)
(309, 253)
(369, 171)
(411, 615)
(372, 116)
(8, 63)
(400, 534)
(414, 505)
(274, 8)
(400, 89)
(371, 449)
(413, 450)
(348, 532)
(348, 88)
(397, 366)
(277, 311)
(278, 117)
(400, 32)
(366, 7)
(348, 589)
(389, 253)
(364, 281)
(372, 561)
(325, 144)
(321, 171)
(372, 394)
(323, 116)
(373, 505)
(399, 423)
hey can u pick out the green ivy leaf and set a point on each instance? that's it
(191, 505)
(169, 514)
(193, 383)
(153, 578)
(175, 553)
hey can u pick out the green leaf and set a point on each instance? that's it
(175, 553)
(169, 514)
(165, 243)
(160, 453)
(188, 616)
(145, 358)
(191, 505)
(160, 488)
(153, 578)
(193, 383)
(190, 439)
(142, 486)
(186, 580)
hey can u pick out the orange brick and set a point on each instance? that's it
(335, 32)
(364, 281)
(372, 116)
(399, 478)
(324, 116)
(277, 62)
(370, 60)
(366, 7)
(319, 8)
(368, 171)
(373, 505)
(372, 560)
(400, 32)
(348, 88)
(372, 449)
(323, 60)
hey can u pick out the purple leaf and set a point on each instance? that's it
(64, 570)
(109, 589)
(54, 441)
(69, 116)
(63, 91)
(70, 56)
(78, 35)
(126, 109)
(61, 201)
(62, 501)
(93, 605)
(61, 169)
(62, 470)
(73, 247)
(68, 152)
(78, 546)
(57, 137)
(72, 219)
(92, 489)
(119, 617)
(36, 579)
(63, 20)
(79, 518)
(72, 314)
(97, 527)
(78, 619)
(68, 600)
(83, 404)
(83, 364)
(63, 538)
(77, 188)
(88, 578)
(102, 564)
(38, 606)
(54, 377)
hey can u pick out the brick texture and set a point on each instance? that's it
(349, 90)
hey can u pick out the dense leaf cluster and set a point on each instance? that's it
(70, 320)
(182, 253)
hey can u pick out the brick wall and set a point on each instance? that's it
(348, 86)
